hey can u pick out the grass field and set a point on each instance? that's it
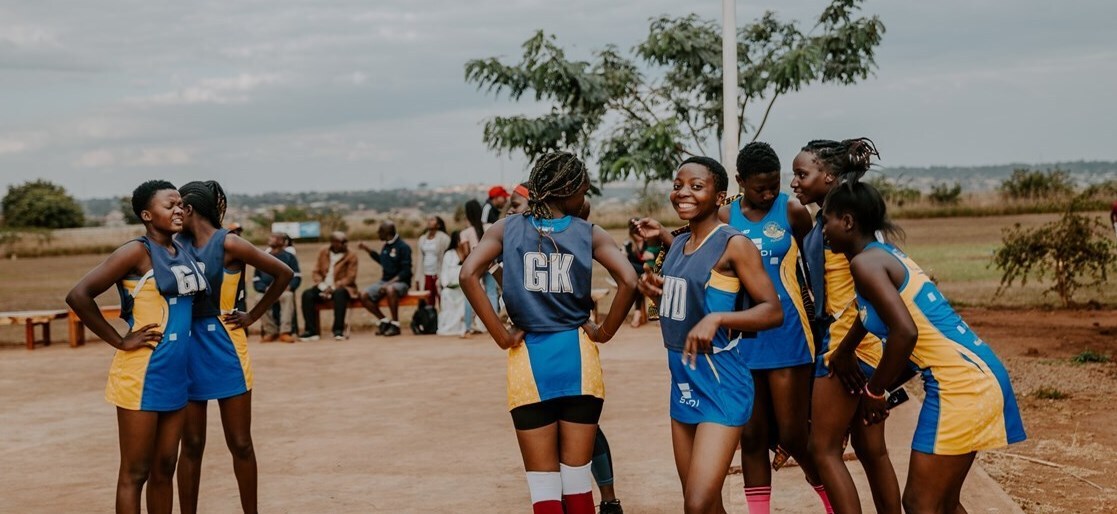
(955, 251)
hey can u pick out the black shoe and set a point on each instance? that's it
(391, 330)
(610, 507)
(339, 336)
(382, 328)
(308, 336)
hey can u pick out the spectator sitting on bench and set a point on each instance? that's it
(278, 320)
(335, 279)
(395, 259)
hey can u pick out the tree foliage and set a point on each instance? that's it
(945, 194)
(41, 204)
(1075, 251)
(640, 112)
(1025, 184)
(895, 191)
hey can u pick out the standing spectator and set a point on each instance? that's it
(471, 237)
(395, 260)
(451, 319)
(498, 198)
(335, 279)
(432, 246)
(635, 249)
(1113, 215)
(279, 320)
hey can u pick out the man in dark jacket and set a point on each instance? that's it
(395, 260)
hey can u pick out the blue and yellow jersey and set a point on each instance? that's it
(719, 389)
(219, 365)
(155, 379)
(841, 306)
(970, 405)
(553, 365)
(790, 344)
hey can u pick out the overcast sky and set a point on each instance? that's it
(284, 95)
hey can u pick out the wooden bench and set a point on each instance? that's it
(31, 319)
(411, 300)
(77, 327)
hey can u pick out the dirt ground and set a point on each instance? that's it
(409, 424)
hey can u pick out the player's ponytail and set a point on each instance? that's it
(207, 199)
(848, 159)
(555, 176)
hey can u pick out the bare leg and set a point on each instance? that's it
(755, 465)
(371, 306)
(190, 458)
(710, 448)
(791, 402)
(236, 419)
(934, 482)
(137, 448)
(393, 302)
(832, 410)
(868, 443)
(161, 484)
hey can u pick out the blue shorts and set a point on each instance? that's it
(217, 361)
(719, 389)
(380, 290)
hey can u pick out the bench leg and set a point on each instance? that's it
(30, 331)
(46, 334)
(77, 333)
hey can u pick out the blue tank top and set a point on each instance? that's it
(791, 343)
(548, 267)
(691, 289)
(211, 260)
(175, 275)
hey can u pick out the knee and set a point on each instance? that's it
(134, 473)
(753, 443)
(241, 448)
(914, 503)
(193, 445)
(697, 503)
(363, 295)
(163, 469)
(392, 293)
(868, 452)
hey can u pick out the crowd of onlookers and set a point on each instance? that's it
(434, 270)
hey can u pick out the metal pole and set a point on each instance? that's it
(729, 87)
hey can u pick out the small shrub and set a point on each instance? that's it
(1089, 356)
(1027, 184)
(943, 194)
(1049, 393)
(896, 191)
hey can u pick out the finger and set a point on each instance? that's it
(146, 327)
(152, 335)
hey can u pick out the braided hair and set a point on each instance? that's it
(206, 198)
(555, 176)
(142, 195)
(848, 159)
(867, 207)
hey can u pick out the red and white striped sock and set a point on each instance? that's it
(577, 489)
(821, 490)
(759, 499)
(546, 492)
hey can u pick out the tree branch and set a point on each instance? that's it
(764, 120)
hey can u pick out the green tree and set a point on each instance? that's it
(41, 204)
(130, 217)
(1025, 184)
(895, 191)
(1075, 251)
(640, 123)
(944, 194)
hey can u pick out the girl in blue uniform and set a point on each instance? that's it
(969, 405)
(555, 388)
(217, 360)
(708, 274)
(157, 281)
(781, 359)
(841, 357)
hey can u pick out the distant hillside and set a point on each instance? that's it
(448, 199)
(988, 178)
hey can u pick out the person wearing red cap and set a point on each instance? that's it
(498, 198)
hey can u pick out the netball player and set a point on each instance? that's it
(969, 405)
(699, 296)
(817, 170)
(218, 363)
(555, 388)
(156, 279)
(781, 359)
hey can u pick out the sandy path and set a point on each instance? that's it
(410, 424)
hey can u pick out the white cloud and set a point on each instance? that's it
(29, 37)
(223, 90)
(135, 157)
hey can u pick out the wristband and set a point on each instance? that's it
(882, 396)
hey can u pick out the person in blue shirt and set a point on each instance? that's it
(555, 381)
(395, 261)
(712, 285)
(279, 321)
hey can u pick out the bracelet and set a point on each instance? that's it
(882, 396)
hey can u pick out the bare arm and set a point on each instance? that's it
(474, 267)
(81, 298)
(606, 252)
(801, 220)
(241, 250)
(871, 274)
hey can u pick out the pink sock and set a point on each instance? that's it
(821, 490)
(759, 499)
